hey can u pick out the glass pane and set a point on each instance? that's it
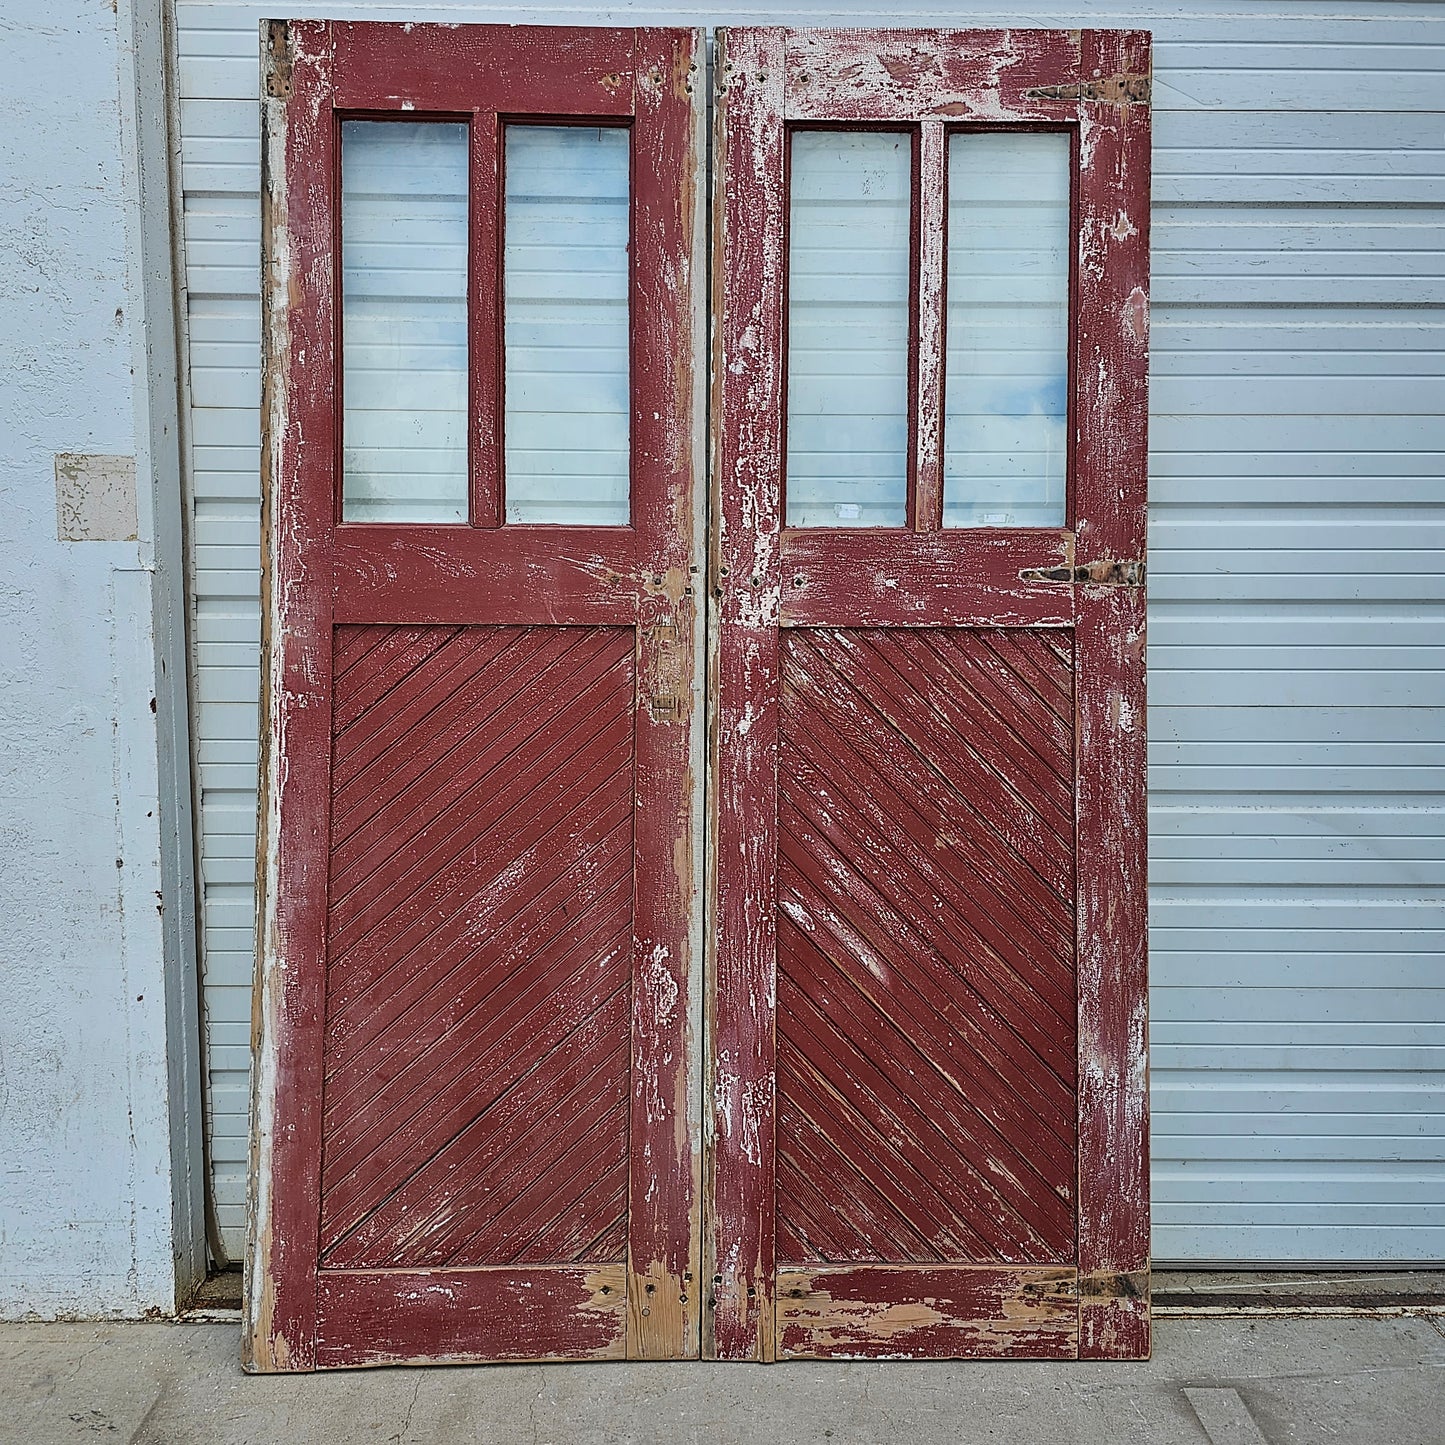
(1006, 390)
(848, 262)
(404, 321)
(568, 395)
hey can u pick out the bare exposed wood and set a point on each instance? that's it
(895, 1313)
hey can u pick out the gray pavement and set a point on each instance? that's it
(1218, 1381)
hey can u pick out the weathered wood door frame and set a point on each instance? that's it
(1085, 577)
(321, 573)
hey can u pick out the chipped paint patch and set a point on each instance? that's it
(94, 497)
(926, 1312)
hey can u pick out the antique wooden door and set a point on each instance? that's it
(927, 1040)
(481, 1091)
(476, 1087)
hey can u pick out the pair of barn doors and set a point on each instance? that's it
(701, 920)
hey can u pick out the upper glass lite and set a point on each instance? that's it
(1006, 368)
(850, 301)
(565, 372)
(566, 375)
(404, 321)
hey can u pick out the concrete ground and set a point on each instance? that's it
(1215, 1380)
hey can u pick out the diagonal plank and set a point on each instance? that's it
(478, 1031)
(926, 1016)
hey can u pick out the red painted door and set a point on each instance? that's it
(928, 987)
(476, 1085)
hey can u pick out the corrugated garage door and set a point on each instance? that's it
(1298, 837)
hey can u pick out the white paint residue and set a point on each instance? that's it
(663, 982)
(757, 1102)
(723, 1089)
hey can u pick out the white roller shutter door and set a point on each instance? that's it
(1297, 552)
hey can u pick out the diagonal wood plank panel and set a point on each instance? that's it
(926, 1002)
(479, 938)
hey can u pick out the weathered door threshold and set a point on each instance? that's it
(1177, 1294)
(1339, 1293)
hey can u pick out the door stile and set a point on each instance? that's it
(1112, 963)
(298, 227)
(665, 1302)
(1111, 471)
(745, 584)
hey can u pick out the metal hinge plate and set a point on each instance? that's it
(1107, 573)
(1115, 90)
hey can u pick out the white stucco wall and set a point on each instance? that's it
(90, 1107)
